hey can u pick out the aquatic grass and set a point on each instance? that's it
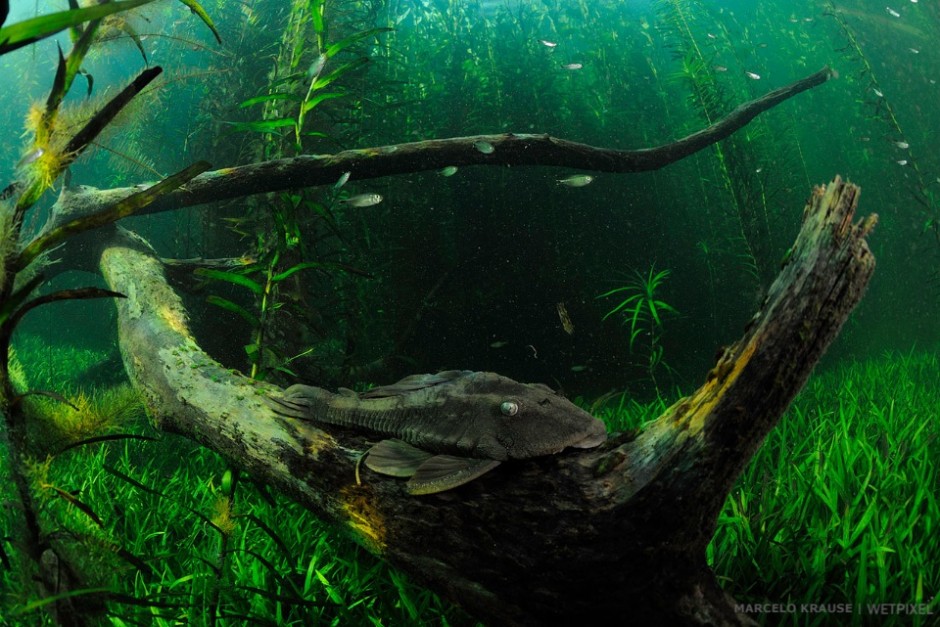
(839, 505)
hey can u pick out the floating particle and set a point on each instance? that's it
(566, 323)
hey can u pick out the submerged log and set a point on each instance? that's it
(578, 537)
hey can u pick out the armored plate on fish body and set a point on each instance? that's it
(448, 428)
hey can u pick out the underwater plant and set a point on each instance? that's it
(643, 311)
(53, 148)
(738, 159)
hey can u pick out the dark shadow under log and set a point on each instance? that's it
(575, 538)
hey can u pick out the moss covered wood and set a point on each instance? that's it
(575, 538)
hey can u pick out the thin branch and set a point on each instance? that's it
(508, 150)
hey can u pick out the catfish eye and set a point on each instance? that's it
(509, 408)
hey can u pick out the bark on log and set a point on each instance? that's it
(575, 538)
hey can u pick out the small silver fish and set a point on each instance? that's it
(572, 66)
(902, 145)
(363, 200)
(449, 170)
(578, 368)
(316, 67)
(752, 75)
(30, 157)
(342, 180)
(878, 92)
(485, 147)
(576, 180)
(902, 161)
(892, 12)
(720, 68)
(499, 344)
(547, 44)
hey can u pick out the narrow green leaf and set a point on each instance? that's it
(32, 30)
(81, 293)
(313, 102)
(196, 8)
(231, 277)
(268, 98)
(15, 299)
(119, 210)
(316, 6)
(342, 44)
(35, 605)
(323, 81)
(228, 305)
(263, 126)
(300, 266)
(86, 509)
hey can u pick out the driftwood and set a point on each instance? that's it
(509, 149)
(575, 538)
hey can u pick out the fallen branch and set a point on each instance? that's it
(574, 538)
(368, 163)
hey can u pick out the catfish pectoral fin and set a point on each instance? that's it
(395, 458)
(444, 472)
(285, 407)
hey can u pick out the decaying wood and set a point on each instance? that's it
(576, 538)
(508, 150)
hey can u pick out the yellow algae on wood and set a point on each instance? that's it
(365, 520)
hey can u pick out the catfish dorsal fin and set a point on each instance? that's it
(414, 382)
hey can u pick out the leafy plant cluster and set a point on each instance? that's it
(642, 311)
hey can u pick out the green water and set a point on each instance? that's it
(500, 268)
